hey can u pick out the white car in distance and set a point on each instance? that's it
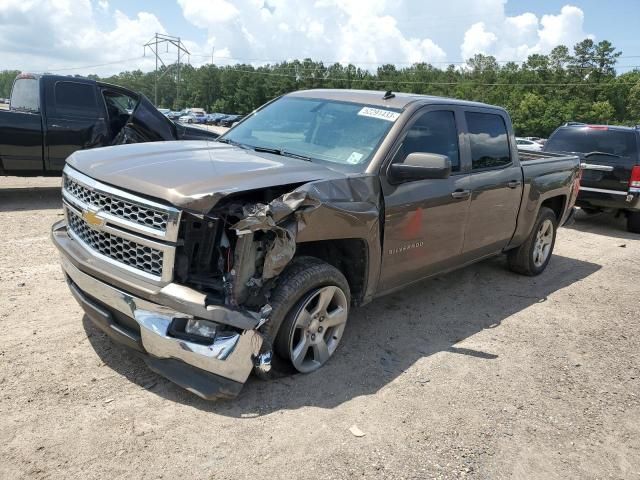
(524, 144)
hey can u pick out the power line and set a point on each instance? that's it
(372, 62)
(463, 83)
(329, 63)
(160, 39)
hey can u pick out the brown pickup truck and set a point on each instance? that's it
(214, 259)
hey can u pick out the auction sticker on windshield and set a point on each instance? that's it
(387, 115)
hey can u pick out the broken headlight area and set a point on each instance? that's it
(226, 265)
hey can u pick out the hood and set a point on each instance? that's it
(193, 174)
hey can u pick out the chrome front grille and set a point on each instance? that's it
(118, 207)
(125, 230)
(128, 252)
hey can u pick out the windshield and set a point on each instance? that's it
(586, 140)
(321, 130)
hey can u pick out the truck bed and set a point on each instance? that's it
(529, 156)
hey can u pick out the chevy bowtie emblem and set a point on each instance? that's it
(92, 218)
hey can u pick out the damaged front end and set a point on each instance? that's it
(211, 324)
(235, 252)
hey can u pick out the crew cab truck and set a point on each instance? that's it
(213, 260)
(52, 116)
(610, 157)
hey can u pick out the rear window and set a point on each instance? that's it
(76, 99)
(25, 95)
(489, 140)
(587, 140)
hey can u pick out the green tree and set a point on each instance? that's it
(541, 93)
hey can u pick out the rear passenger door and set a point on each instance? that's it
(495, 183)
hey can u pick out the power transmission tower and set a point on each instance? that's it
(158, 40)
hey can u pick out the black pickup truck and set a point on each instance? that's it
(610, 157)
(51, 116)
(217, 258)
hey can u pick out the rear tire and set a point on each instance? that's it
(633, 222)
(533, 256)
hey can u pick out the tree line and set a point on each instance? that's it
(541, 93)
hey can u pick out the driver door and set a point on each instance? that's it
(74, 121)
(425, 220)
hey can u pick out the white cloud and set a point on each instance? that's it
(478, 40)
(45, 35)
(377, 31)
(204, 13)
(517, 37)
(40, 35)
(330, 30)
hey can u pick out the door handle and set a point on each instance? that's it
(461, 194)
(514, 184)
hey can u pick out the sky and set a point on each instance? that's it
(107, 36)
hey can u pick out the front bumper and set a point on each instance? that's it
(211, 371)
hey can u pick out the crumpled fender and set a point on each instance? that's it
(322, 210)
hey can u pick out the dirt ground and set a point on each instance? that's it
(480, 374)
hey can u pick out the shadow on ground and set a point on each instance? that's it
(37, 198)
(382, 340)
(603, 223)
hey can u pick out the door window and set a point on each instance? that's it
(25, 95)
(77, 99)
(433, 132)
(488, 139)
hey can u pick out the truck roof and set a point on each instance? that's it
(621, 128)
(70, 78)
(38, 76)
(373, 97)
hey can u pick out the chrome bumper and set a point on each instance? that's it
(172, 295)
(231, 355)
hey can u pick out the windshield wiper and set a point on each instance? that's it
(282, 153)
(232, 142)
(606, 154)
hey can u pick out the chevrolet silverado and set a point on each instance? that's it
(216, 259)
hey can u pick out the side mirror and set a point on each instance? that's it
(421, 166)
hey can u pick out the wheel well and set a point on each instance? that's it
(556, 204)
(350, 256)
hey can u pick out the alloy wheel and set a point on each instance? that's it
(542, 245)
(318, 328)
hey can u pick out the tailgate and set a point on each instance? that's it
(607, 172)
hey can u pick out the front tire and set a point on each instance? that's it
(532, 257)
(310, 311)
